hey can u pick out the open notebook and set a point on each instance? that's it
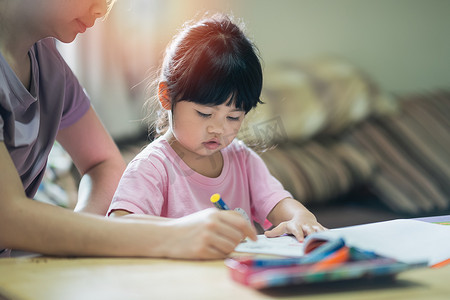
(405, 240)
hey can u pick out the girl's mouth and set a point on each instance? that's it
(211, 145)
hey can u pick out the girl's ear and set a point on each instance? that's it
(163, 96)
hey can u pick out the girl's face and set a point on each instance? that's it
(204, 130)
(66, 19)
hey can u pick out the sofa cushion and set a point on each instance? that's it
(322, 96)
(412, 153)
(318, 171)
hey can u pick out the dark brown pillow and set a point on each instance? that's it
(412, 154)
(316, 172)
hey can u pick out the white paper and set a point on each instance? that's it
(283, 245)
(406, 240)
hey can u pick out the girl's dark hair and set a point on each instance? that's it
(209, 62)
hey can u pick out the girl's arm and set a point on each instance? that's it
(29, 225)
(98, 160)
(291, 217)
(127, 214)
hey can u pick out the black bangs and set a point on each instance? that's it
(216, 64)
(216, 78)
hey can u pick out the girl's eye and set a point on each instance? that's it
(203, 115)
(233, 118)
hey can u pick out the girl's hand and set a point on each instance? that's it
(207, 234)
(292, 218)
(299, 226)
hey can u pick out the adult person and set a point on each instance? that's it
(41, 101)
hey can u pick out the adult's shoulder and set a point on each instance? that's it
(47, 42)
(48, 45)
(46, 50)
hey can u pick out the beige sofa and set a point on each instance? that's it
(349, 151)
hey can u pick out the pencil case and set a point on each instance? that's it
(245, 271)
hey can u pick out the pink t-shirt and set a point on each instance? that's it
(158, 182)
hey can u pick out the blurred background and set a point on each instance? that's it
(404, 45)
(356, 92)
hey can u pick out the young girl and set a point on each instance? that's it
(40, 101)
(210, 79)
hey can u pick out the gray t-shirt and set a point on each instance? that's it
(30, 120)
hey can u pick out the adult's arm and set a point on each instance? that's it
(98, 160)
(32, 226)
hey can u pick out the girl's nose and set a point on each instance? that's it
(216, 127)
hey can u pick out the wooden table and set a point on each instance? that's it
(137, 278)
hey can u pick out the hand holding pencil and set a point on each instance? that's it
(207, 234)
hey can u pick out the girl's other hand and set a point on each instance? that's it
(301, 225)
(292, 218)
